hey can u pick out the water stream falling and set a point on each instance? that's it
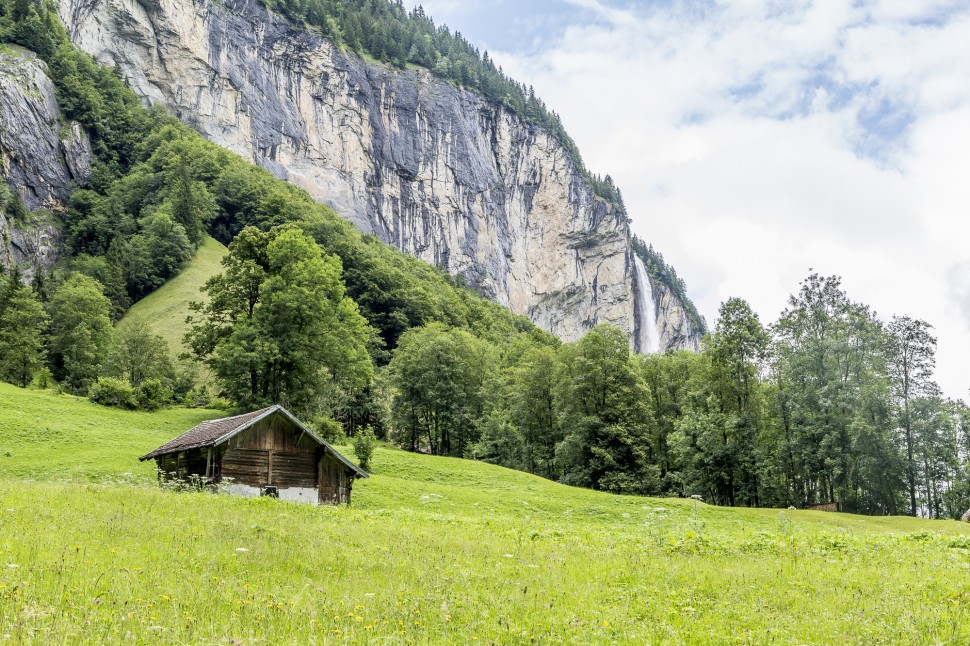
(648, 339)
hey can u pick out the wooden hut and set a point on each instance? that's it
(266, 452)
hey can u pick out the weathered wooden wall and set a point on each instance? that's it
(334, 483)
(273, 452)
(246, 466)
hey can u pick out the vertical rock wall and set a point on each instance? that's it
(41, 161)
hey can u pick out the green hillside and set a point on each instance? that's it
(434, 550)
(165, 309)
(44, 436)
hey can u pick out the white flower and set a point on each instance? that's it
(241, 549)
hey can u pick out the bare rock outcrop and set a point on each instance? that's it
(42, 160)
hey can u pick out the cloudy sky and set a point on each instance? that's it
(755, 140)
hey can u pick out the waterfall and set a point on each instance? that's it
(648, 339)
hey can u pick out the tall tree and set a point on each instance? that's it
(138, 354)
(603, 403)
(667, 378)
(724, 419)
(912, 359)
(533, 410)
(278, 327)
(190, 203)
(828, 356)
(23, 326)
(437, 373)
(80, 331)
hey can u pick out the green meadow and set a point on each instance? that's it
(432, 551)
(164, 310)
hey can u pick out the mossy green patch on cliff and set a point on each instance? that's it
(7, 50)
(13, 52)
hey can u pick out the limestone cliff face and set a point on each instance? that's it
(41, 160)
(437, 171)
(675, 329)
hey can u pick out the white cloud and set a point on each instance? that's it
(754, 139)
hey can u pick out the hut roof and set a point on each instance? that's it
(216, 431)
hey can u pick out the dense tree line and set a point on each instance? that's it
(827, 404)
(386, 31)
(68, 339)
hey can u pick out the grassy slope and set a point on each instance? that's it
(165, 309)
(438, 550)
(47, 436)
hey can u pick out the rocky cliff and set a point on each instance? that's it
(675, 330)
(41, 161)
(437, 171)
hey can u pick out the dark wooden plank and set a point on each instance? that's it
(245, 466)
